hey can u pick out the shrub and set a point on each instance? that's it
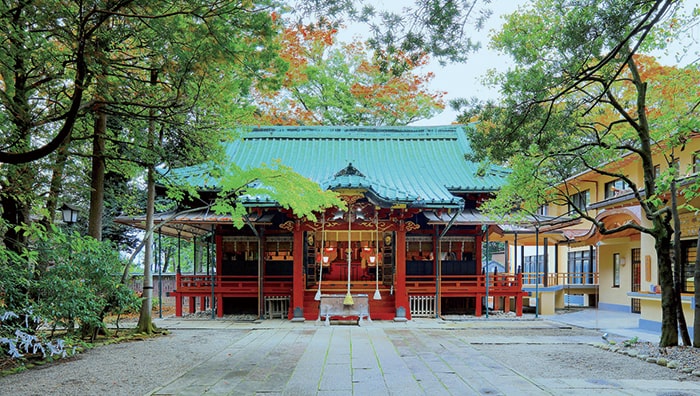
(85, 286)
(67, 280)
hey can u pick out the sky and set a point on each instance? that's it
(464, 80)
(459, 80)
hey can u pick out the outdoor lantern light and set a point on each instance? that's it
(70, 213)
(338, 215)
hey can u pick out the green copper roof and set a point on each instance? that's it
(418, 166)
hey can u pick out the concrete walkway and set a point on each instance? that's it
(622, 324)
(420, 357)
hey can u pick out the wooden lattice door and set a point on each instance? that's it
(636, 279)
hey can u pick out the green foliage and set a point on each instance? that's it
(581, 97)
(274, 183)
(332, 83)
(82, 285)
(185, 65)
(15, 281)
(64, 279)
(269, 184)
(436, 27)
(574, 100)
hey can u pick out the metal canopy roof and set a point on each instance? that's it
(550, 227)
(416, 166)
(188, 224)
(466, 217)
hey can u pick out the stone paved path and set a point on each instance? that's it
(508, 358)
(420, 357)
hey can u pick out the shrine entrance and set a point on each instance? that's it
(332, 254)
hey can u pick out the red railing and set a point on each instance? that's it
(232, 285)
(467, 285)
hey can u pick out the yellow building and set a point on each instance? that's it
(579, 265)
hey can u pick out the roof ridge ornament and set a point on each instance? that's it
(349, 171)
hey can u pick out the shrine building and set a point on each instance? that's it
(409, 244)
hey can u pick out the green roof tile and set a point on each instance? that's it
(419, 166)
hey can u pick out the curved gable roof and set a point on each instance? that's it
(417, 166)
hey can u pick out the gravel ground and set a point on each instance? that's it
(549, 361)
(535, 350)
(131, 368)
(681, 358)
(139, 367)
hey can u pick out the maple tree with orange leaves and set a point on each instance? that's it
(331, 83)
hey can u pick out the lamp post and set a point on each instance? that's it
(69, 213)
(70, 217)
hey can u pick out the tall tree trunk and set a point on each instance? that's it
(661, 229)
(145, 324)
(669, 319)
(696, 282)
(97, 180)
(677, 264)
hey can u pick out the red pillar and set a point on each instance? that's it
(298, 278)
(178, 305)
(519, 296)
(193, 304)
(401, 294)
